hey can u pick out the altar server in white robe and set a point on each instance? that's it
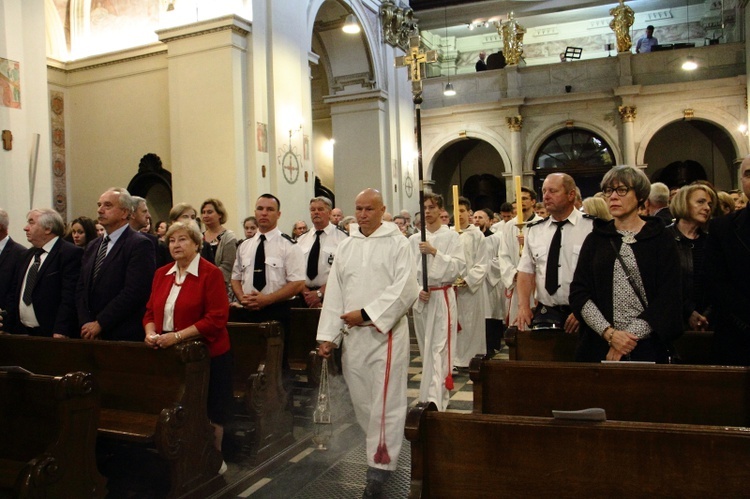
(509, 253)
(371, 286)
(435, 313)
(470, 289)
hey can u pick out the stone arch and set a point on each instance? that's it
(547, 132)
(723, 120)
(440, 142)
(360, 47)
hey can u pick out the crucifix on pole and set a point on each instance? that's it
(416, 60)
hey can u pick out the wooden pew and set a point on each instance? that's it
(149, 397)
(544, 344)
(693, 347)
(303, 329)
(490, 456)
(257, 355)
(709, 395)
(48, 436)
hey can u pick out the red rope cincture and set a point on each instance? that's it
(448, 379)
(381, 454)
(509, 296)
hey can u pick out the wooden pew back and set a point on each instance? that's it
(490, 456)
(303, 329)
(709, 395)
(257, 350)
(693, 347)
(544, 345)
(48, 435)
(149, 396)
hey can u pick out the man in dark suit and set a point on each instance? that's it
(728, 275)
(139, 220)
(44, 298)
(658, 203)
(116, 274)
(11, 254)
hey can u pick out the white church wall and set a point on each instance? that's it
(117, 110)
(21, 21)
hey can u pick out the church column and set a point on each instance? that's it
(360, 123)
(208, 111)
(515, 124)
(627, 115)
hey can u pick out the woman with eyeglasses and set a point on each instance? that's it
(626, 290)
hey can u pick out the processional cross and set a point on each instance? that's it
(416, 59)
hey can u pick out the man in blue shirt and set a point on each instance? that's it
(647, 42)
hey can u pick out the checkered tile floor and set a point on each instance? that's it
(339, 472)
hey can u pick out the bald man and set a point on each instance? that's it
(372, 284)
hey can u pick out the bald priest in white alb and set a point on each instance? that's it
(370, 288)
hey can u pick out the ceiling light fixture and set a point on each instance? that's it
(449, 91)
(689, 64)
(351, 26)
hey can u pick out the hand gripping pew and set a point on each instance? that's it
(493, 456)
(683, 394)
(149, 397)
(257, 353)
(48, 435)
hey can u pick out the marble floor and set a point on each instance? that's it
(339, 472)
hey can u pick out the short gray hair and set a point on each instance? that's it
(4, 220)
(324, 200)
(137, 200)
(634, 178)
(659, 194)
(125, 199)
(50, 219)
(190, 227)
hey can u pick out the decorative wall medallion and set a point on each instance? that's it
(57, 104)
(289, 161)
(58, 165)
(408, 185)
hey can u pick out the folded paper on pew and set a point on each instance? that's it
(591, 414)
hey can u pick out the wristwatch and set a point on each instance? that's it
(320, 295)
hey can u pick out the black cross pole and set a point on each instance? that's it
(416, 60)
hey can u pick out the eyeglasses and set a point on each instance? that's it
(620, 190)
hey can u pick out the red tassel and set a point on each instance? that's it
(381, 455)
(449, 382)
(459, 327)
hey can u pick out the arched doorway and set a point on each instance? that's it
(685, 151)
(477, 168)
(580, 153)
(343, 65)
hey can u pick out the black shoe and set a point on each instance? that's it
(373, 490)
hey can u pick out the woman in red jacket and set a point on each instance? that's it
(189, 301)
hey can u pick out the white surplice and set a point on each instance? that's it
(508, 257)
(471, 298)
(376, 273)
(436, 321)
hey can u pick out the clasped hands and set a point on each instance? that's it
(621, 343)
(255, 300)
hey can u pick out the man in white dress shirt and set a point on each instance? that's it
(268, 271)
(371, 286)
(550, 256)
(318, 247)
